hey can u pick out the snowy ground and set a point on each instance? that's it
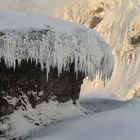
(95, 119)
(103, 119)
(115, 120)
(24, 123)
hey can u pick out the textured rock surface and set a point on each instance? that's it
(28, 84)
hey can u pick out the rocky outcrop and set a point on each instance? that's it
(27, 83)
(5, 107)
(45, 59)
(135, 40)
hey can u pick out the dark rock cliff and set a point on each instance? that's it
(27, 83)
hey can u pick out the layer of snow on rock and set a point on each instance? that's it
(55, 43)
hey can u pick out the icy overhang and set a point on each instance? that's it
(53, 43)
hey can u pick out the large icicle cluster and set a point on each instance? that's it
(44, 40)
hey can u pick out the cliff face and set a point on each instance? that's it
(27, 83)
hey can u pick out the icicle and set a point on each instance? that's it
(83, 47)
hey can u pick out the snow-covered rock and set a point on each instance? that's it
(117, 124)
(44, 58)
(22, 124)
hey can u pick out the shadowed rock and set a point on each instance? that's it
(5, 107)
(28, 84)
(135, 40)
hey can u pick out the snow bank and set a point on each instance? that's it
(119, 124)
(54, 43)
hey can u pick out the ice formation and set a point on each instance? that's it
(53, 43)
(120, 27)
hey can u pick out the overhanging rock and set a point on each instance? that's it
(43, 58)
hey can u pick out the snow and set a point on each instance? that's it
(105, 119)
(122, 123)
(55, 43)
(23, 123)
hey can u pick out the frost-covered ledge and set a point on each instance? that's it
(44, 58)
